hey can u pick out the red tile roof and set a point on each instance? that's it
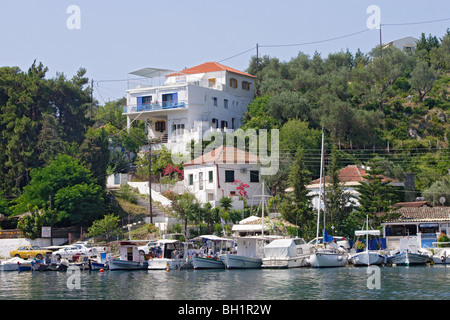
(421, 214)
(209, 67)
(224, 154)
(351, 173)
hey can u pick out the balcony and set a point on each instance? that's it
(157, 106)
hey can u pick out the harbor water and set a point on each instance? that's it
(429, 282)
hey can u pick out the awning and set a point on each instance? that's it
(151, 72)
(369, 232)
(429, 225)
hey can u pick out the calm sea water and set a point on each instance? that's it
(350, 283)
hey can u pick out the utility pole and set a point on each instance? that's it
(150, 179)
(257, 70)
(92, 95)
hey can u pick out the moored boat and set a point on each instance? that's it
(170, 254)
(207, 256)
(368, 257)
(407, 258)
(249, 254)
(129, 257)
(287, 253)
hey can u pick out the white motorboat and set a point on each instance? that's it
(128, 259)
(171, 254)
(442, 256)
(330, 255)
(208, 255)
(287, 253)
(368, 257)
(13, 264)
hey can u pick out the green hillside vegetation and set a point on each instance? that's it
(388, 109)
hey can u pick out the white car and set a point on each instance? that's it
(146, 248)
(340, 241)
(67, 252)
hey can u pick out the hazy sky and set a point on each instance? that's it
(112, 38)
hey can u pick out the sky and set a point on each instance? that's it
(113, 38)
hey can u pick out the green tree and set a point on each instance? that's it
(422, 78)
(376, 196)
(295, 207)
(439, 189)
(108, 227)
(338, 202)
(68, 187)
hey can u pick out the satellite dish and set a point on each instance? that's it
(442, 200)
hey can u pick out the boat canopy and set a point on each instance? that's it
(283, 248)
(367, 232)
(212, 238)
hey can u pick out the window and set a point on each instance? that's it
(200, 180)
(210, 176)
(224, 124)
(214, 101)
(144, 103)
(246, 85)
(178, 129)
(254, 176)
(225, 103)
(160, 126)
(191, 179)
(229, 175)
(215, 123)
(212, 82)
(170, 100)
(233, 83)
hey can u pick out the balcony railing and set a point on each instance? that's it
(166, 105)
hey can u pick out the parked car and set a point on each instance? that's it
(29, 251)
(146, 248)
(68, 252)
(340, 241)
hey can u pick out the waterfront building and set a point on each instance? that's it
(189, 103)
(419, 221)
(224, 171)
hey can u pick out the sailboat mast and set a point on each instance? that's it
(320, 191)
(262, 215)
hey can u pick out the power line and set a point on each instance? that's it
(413, 23)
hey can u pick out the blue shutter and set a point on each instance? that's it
(175, 99)
(139, 103)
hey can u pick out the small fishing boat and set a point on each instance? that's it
(208, 255)
(367, 257)
(129, 257)
(249, 253)
(407, 258)
(12, 264)
(442, 256)
(170, 254)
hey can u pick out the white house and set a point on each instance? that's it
(207, 97)
(221, 172)
(350, 177)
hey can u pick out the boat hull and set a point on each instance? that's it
(172, 264)
(442, 257)
(408, 258)
(207, 263)
(368, 258)
(234, 261)
(328, 260)
(287, 262)
(127, 265)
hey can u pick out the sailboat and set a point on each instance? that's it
(331, 255)
(368, 257)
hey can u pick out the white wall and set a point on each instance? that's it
(223, 188)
